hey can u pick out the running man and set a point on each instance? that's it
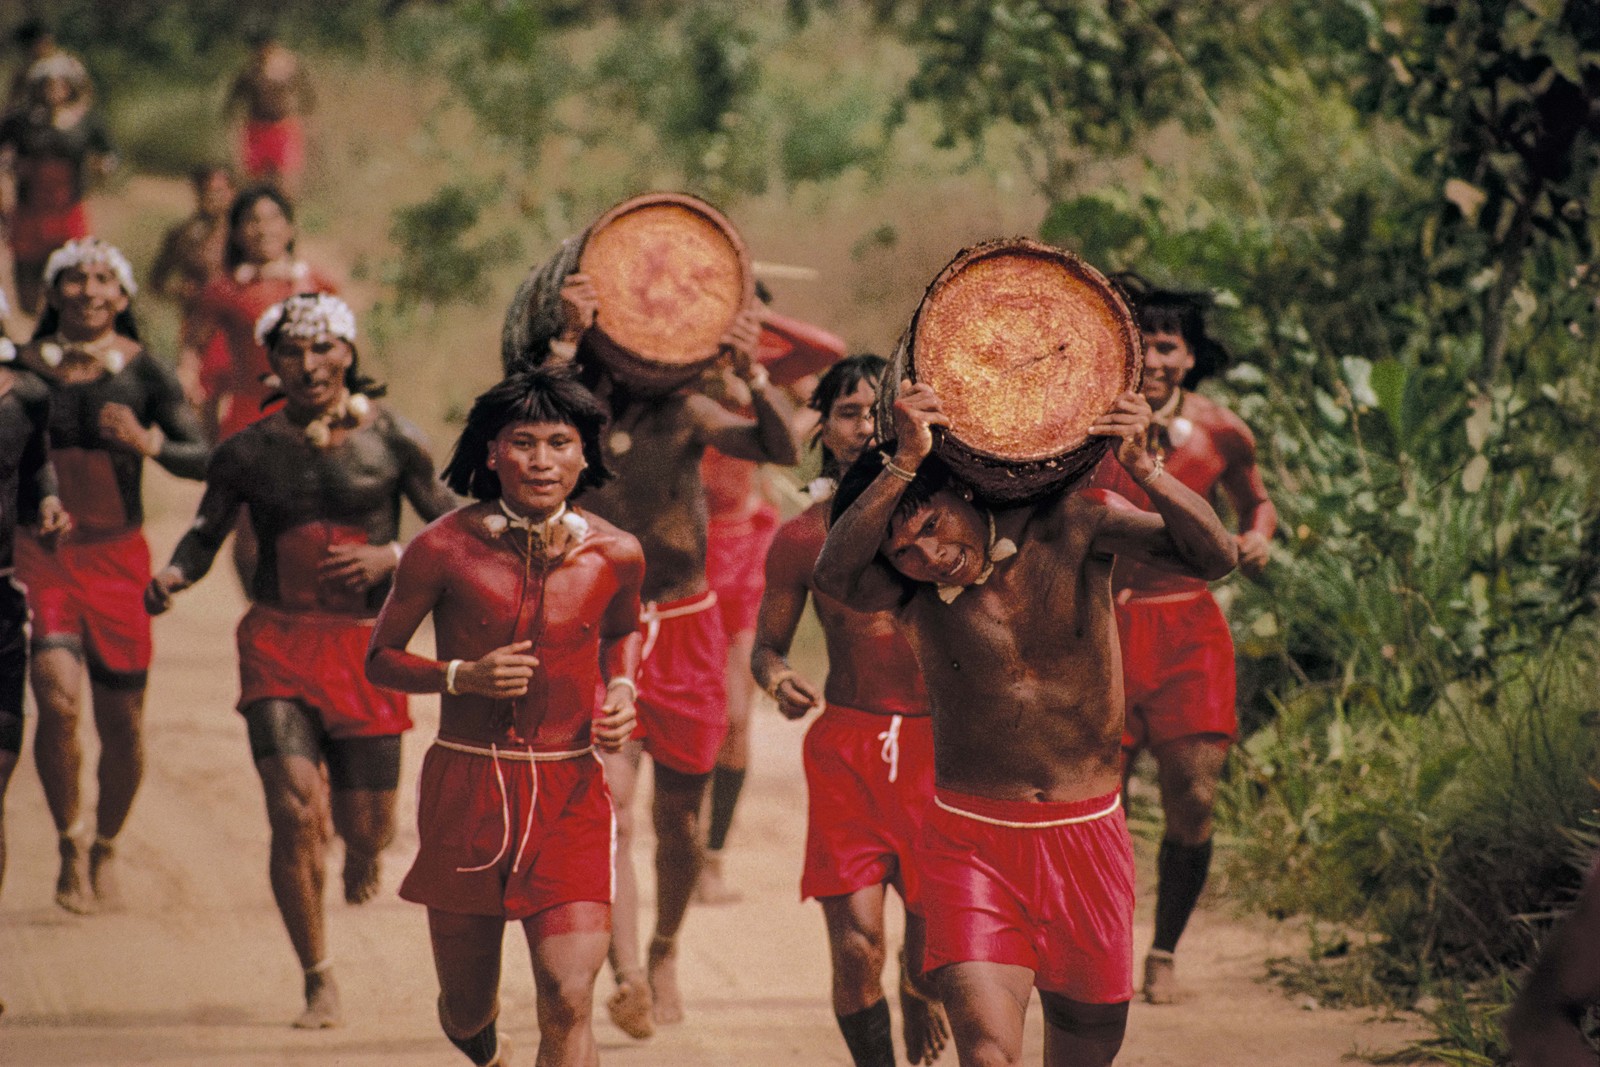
(192, 253)
(533, 603)
(1177, 651)
(323, 478)
(274, 95)
(51, 148)
(260, 269)
(112, 406)
(742, 524)
(1026, 870)
(28, 493)
(868, 758)
(654, 444)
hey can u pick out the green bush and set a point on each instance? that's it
(167, 128)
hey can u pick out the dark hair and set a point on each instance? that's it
(233, 255)
(842, 379)
(354, 380)
(201, 173)
(932, 476)
(1176, 311)
(30, 33)
(541, 394)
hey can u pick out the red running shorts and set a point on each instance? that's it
(1177, 669)
(511, 838)
(736, 558)
(1054, 895)
(869, 784)
(91, 589)
(318, 660)
(683, 704)
(268, 148)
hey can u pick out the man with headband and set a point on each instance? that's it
(533, 603)
(112, 405)
(28, 495)
(868, 756)
(654, 443)
(323, 478)
(1026, 865)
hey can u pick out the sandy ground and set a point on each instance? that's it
(198, 970)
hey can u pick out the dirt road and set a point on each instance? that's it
(199, 970)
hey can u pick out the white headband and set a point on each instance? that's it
(309, 315)
(85, 252)
(60, 65)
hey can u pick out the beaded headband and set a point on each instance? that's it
(89, 251)
(308, 315)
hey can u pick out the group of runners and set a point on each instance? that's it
(622, 585)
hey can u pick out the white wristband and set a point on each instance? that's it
(450, 677)
(633, 690)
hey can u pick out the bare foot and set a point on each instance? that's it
(103, 875)
(922, 1020)
(71, 891)
(630, 1007)
(322, 1002)
(711, 887)
(360, 876)
(662, 967)
(1161, 979)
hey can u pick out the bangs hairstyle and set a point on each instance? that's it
(932, 476)
(1176, 311)
(543, 394)
(233, 254)
(842, 379)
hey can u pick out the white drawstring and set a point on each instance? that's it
(533, 804)
(533, 760)
(1116, 802)
(891, 747)
(651, 615)
(505, 817)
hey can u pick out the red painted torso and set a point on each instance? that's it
(494, 596)
(1216, 439)
(870, 664)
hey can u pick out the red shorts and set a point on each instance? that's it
(531, 835)
(216, 363)
(319, 661)
(1056, 899)
(273, 147)
(1177, 669)
(736, 559)
(683, 703)
(869, 783)
(35, 234)
(91, 589)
